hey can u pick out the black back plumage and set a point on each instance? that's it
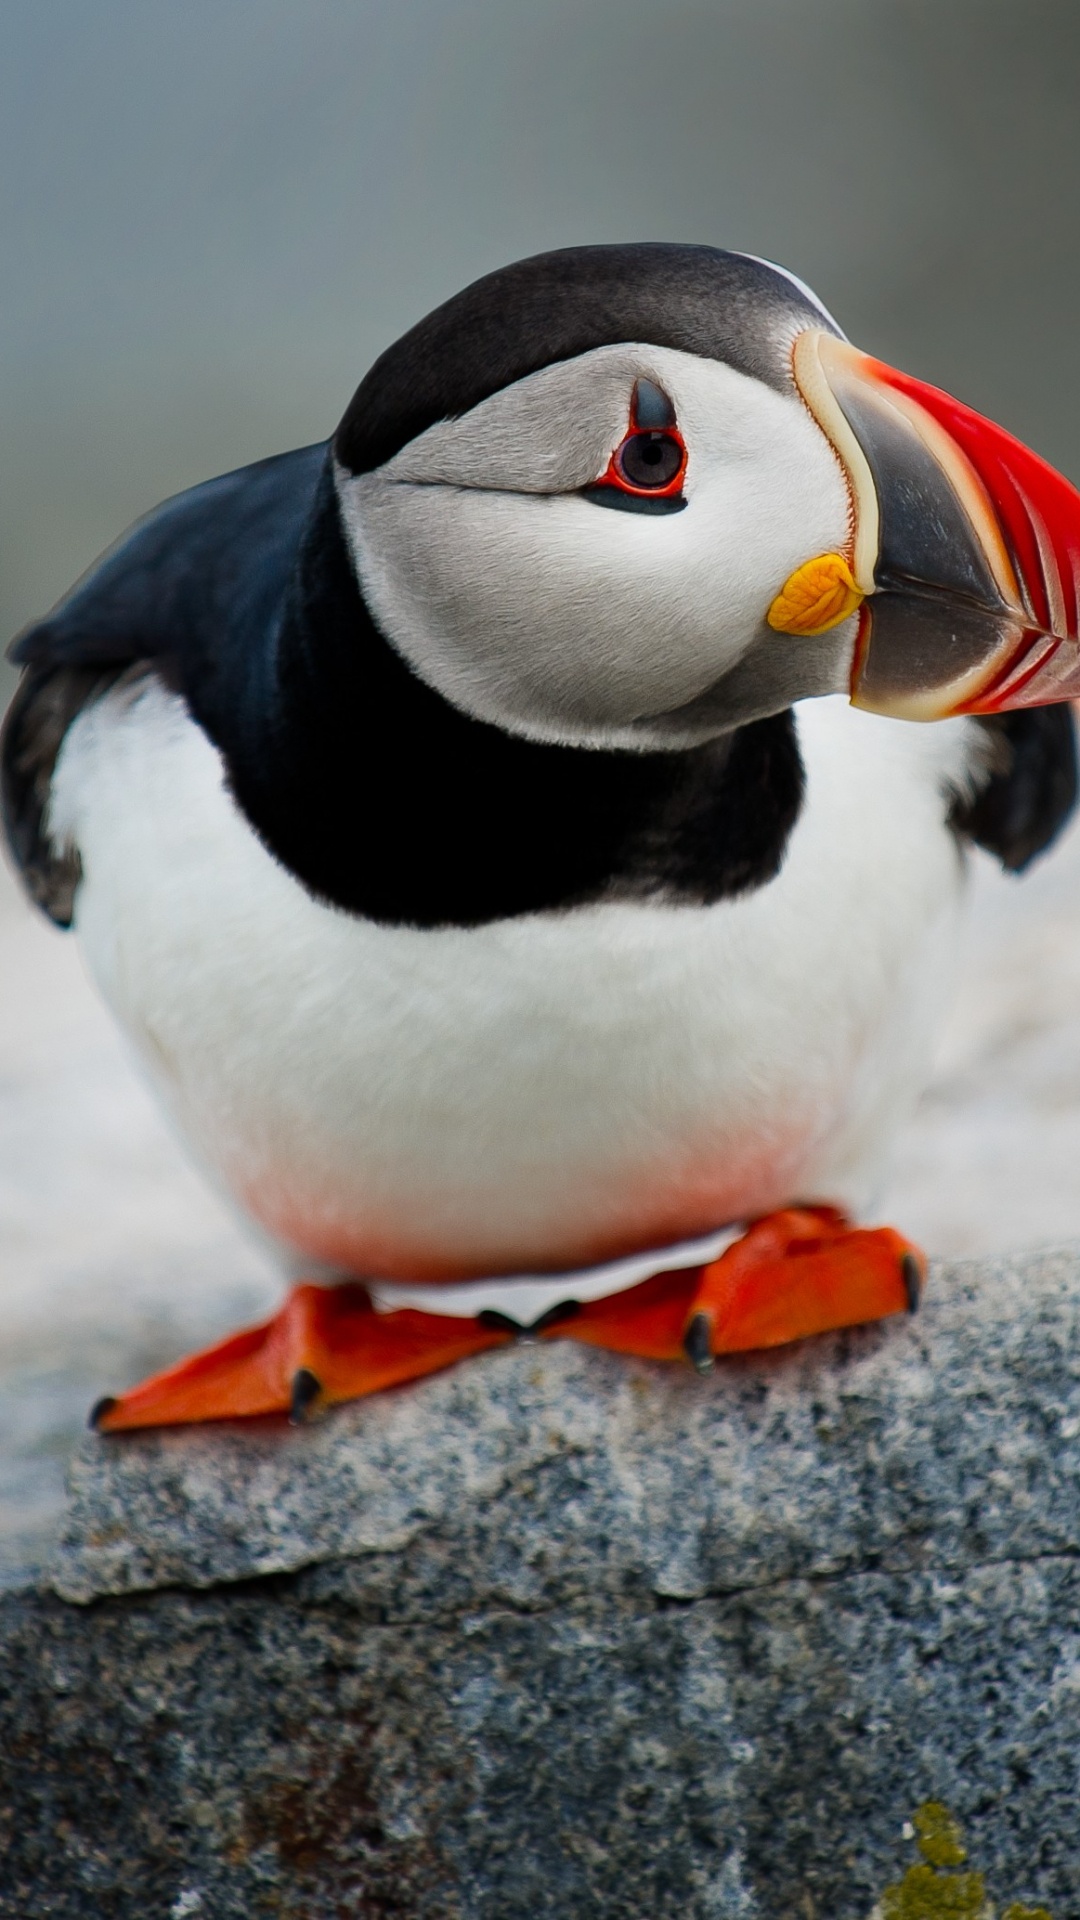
(193, 592)
(1032, 789)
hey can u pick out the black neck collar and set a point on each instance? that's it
(385, 800)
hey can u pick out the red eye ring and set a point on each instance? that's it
(644, 451)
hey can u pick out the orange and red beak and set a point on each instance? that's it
(965, 544)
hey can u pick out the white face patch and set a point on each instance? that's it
(526, 604)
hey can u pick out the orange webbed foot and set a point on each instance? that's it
(326, 1344)
(800, 1271)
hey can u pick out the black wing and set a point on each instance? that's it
(200, 577)
(1032, 789)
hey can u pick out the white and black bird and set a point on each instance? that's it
(503, 834)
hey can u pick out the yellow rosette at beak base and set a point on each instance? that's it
(817, 596)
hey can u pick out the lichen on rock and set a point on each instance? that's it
(928, 1893)
(938, 1835)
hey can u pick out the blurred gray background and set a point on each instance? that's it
(214, 213)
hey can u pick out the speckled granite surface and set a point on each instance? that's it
(960, 1426)
(558, 1634)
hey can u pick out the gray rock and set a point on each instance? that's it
(561, 1634)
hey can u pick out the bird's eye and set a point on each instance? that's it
(646, 471)
(650, 460)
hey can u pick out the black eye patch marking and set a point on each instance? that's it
(651, 408)
(645, 473)
(633, 502)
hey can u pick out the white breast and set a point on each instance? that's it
(540, 1092)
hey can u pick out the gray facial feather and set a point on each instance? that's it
(552, 432)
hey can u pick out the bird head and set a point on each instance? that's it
(635, 496)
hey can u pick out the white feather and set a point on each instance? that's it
(538, 1093)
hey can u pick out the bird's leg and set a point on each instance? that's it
(325, 1344)
(801, 1271)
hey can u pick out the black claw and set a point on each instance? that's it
(99, 1409)
(697, 1343)
(497, 1322)
(564, 1310)
(911, 1274)
(306, 1388)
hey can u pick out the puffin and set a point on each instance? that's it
(524, 837)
